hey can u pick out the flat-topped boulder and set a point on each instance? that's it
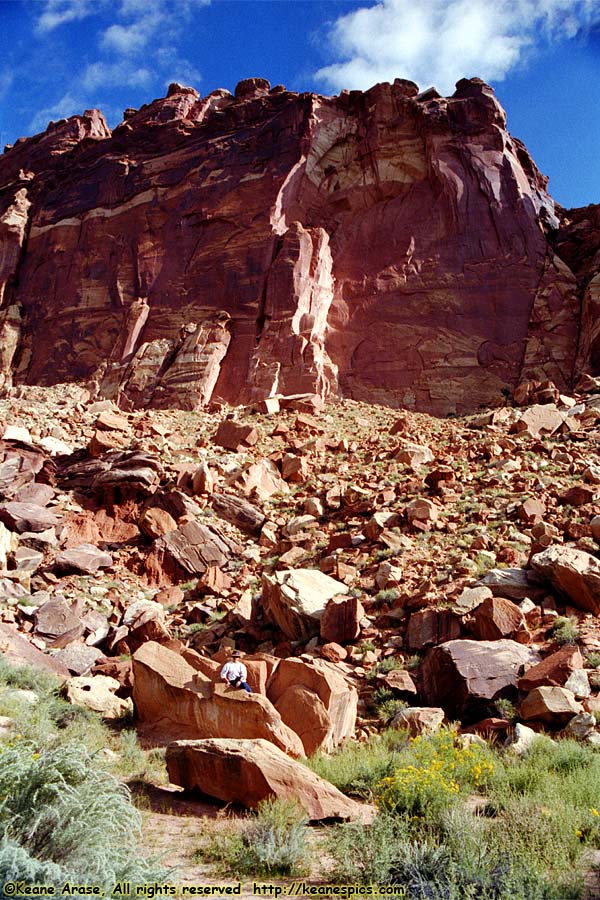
(248, 771)
(174, 700)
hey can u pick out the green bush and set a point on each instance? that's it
(273, 844)
(432, 772)
(66, 818)
(565, 630)
(356, 768)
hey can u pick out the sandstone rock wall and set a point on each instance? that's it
(390, 246)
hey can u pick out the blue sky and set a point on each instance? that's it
(59, 57)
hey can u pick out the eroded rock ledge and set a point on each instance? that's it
(390, 246)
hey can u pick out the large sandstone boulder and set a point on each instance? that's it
(173, 700)
(552, 705)
(323, 713)
(341, 620)
(296, 600)
(574, 573)
(248, 771)
(555, 669)
(463, 676)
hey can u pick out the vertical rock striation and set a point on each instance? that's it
(391, 246)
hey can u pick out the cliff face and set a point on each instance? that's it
(389, 246)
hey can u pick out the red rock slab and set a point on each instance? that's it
(249, 771)
(575, 573)
(19, 652)
(170, 701)
(553, 670)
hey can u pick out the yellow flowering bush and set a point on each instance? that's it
(435, 770)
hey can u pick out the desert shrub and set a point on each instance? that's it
(506, 709)
(60, 808)
(356, 768)
(432, 773)
(51, 719)
(388, 708)
(454, 861)
(389, 664)
(272, 844)
(565, 630)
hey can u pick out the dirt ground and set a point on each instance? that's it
(177, 825)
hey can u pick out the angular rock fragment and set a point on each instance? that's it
(235, 436)
(540, 419)
(419, 719)
(97, 692)
(191, 549)
(428, 627)
(239, 512)
(249, 771)
(553, 705)
(262, 479)
(57, 624)
(516, 584)
(21, 517)
(574, 573)
(84, 559)
(498, 618)
(78, 658)
(340, 622)
(553, 670)
(296, 600)
(20, 652)
(463, 676)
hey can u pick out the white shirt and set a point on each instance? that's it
(233, 670)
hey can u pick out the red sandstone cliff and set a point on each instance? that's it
(390, 246)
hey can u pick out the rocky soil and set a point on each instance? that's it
(183, 529)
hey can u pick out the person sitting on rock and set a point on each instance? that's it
(235, 673)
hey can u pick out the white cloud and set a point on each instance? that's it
(136, 32)
(436, 42)
(105, 74)
(60, 12)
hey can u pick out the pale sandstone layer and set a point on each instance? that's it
(391, 246)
